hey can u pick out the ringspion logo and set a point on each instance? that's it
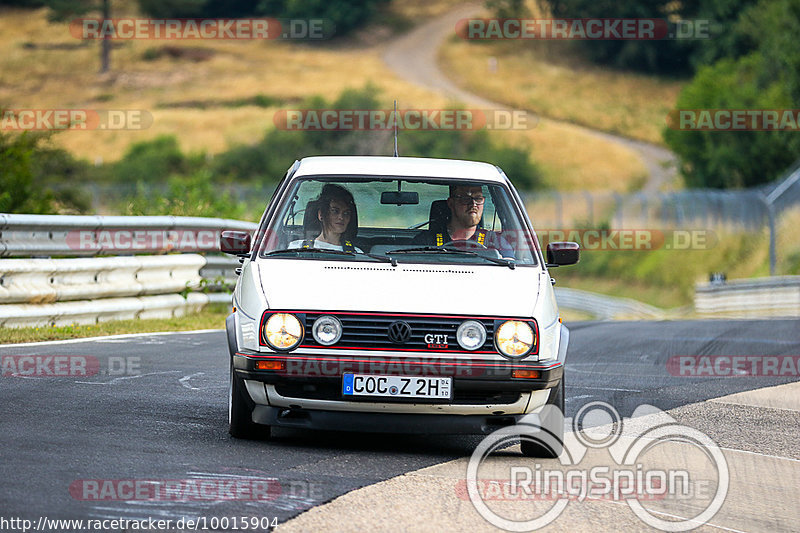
(632, 473)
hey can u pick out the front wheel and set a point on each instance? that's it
(240, 410)
(549, 441)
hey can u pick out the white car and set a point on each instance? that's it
(394, 294)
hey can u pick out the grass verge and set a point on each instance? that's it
(666, 277)
(212, 317)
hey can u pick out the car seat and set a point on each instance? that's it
(312, 226)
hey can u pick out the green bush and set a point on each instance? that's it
(194, 195)
(19, 192)
(153, 161)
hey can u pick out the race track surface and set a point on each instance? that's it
(164, 418)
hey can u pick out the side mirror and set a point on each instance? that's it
(235, 242)
(563, 253)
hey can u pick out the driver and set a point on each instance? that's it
(466, 211)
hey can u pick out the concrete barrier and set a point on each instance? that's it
(775, 297)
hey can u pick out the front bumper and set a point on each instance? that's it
(313, 383)
(411, 423)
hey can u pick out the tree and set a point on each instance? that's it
(768, 77)
(61, 10)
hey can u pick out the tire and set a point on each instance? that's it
(553, 424)
(240, 412)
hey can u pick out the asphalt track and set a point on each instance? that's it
(165, 419)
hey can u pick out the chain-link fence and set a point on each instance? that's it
(749, 209)
(746, 210)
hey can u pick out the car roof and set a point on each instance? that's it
(399, 166)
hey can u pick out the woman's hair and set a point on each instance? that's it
(331, 191)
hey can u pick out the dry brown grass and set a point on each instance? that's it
(542, 78)
(39, 78)
(68, 79)
(573, 159)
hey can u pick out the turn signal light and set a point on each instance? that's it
(270, 365)
(528, 374)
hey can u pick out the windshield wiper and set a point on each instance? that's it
(306, 250)
(353, 253)
(510, 263)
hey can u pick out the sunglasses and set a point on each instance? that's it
(464, 199)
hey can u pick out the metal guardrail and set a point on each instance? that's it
(101, 310)
(72, 236)
(39, 291)
(606, 307)
(776, 297)
(57, 280)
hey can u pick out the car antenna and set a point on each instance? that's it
(395, 129)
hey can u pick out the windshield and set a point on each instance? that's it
(399, 220)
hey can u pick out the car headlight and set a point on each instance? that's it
(471, 335)
(327, 330)
(515, 339)
(283, 331)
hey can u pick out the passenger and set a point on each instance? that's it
(466, 211)
(334, 215)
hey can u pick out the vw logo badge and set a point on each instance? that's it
(399, 332)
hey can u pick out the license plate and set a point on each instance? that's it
(397, 386)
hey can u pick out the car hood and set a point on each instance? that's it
(305, 285)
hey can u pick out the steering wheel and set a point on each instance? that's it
(467, 244)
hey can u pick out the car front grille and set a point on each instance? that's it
(371, 331)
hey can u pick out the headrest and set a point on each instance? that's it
(311, 224)
(440, 213)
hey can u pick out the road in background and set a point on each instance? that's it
(414, 57)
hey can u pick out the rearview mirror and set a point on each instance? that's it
(400, 197)
(562, 253)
